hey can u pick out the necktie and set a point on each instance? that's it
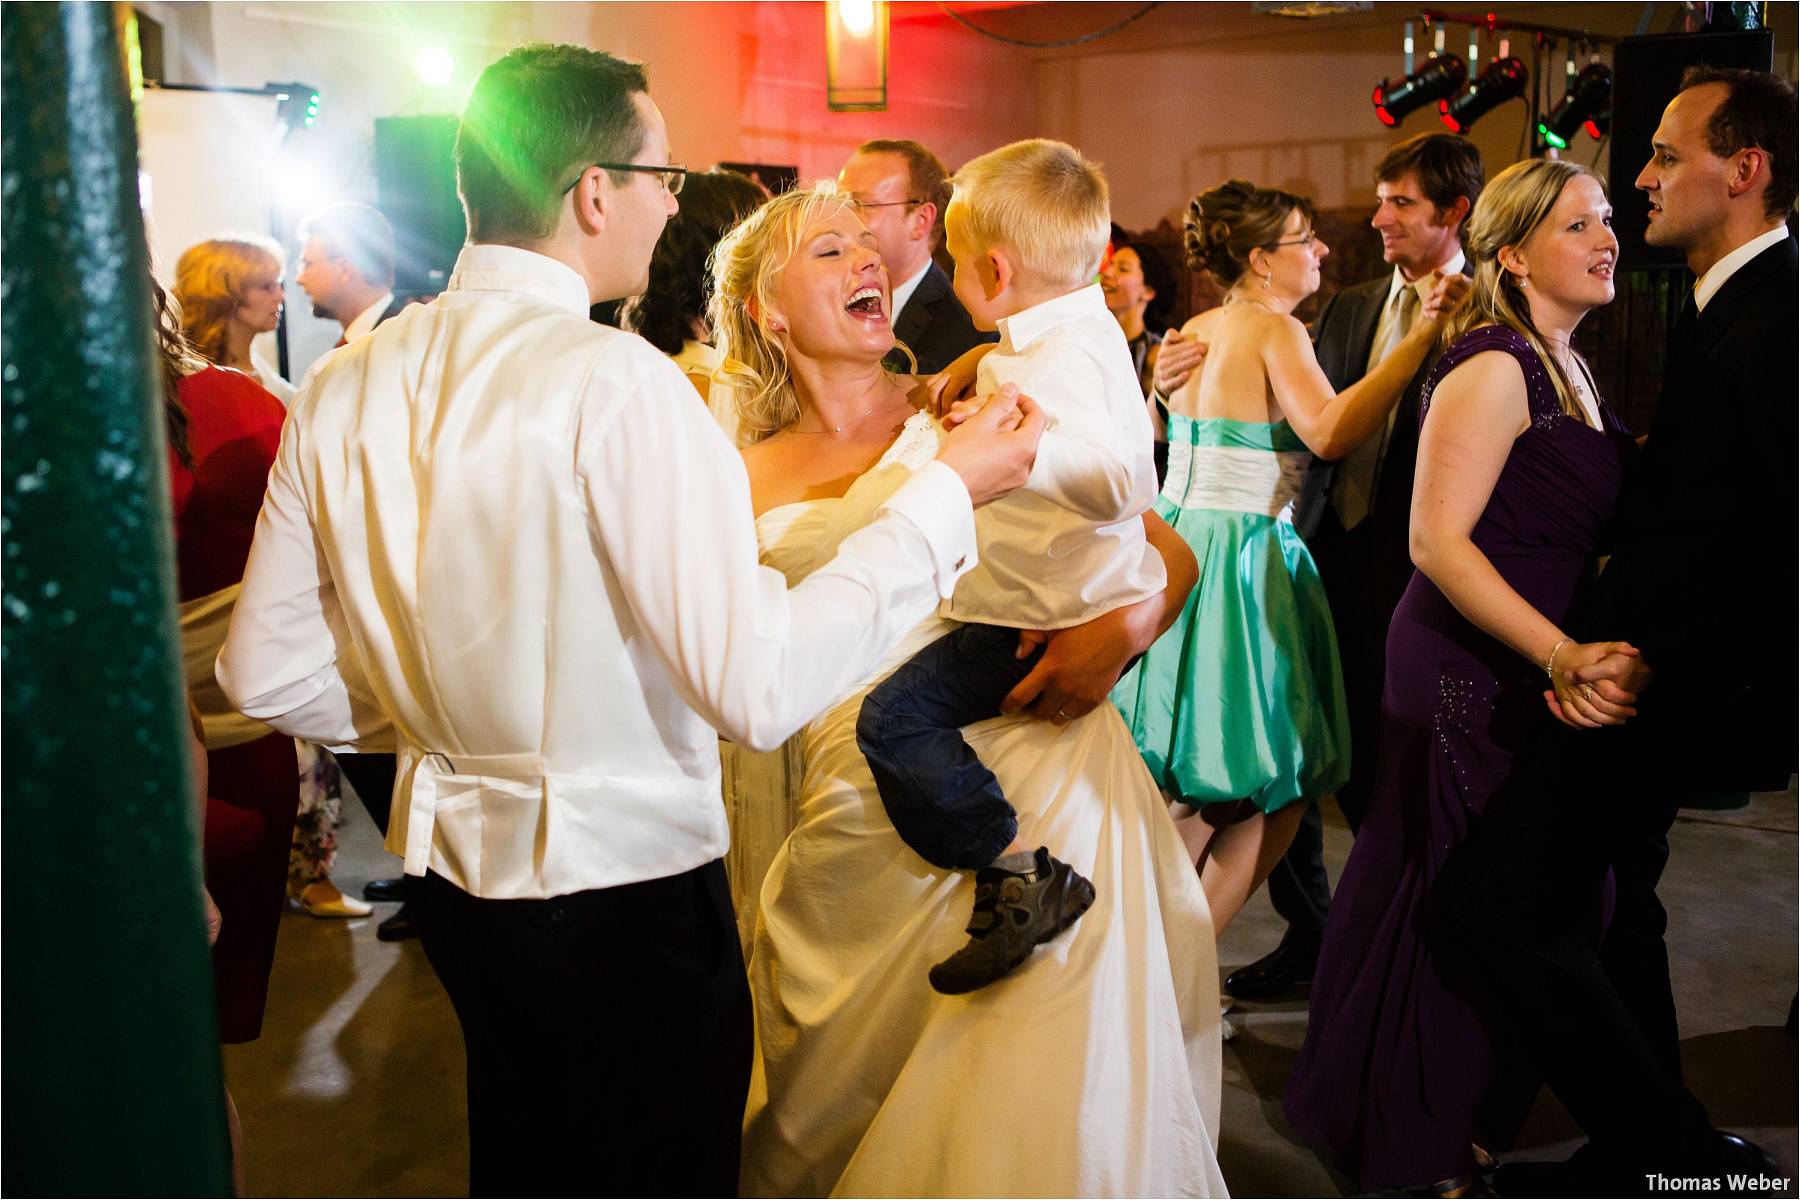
(342, 341)
(1353, 485)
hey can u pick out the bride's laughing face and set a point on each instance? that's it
(831, 300)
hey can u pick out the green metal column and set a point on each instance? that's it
(111, 1078)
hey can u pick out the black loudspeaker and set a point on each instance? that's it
(1646, 76)
(415, 177)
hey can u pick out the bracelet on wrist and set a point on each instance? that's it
(1550, 663)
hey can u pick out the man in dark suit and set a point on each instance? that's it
(1354, 512)
(1703, 567)
(902, 190)
(347, 271)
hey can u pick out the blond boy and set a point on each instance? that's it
(1026, 226)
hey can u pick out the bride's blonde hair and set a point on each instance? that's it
(744, 264)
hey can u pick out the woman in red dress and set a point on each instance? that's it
(225, 429)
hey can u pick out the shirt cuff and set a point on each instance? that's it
(937, 504)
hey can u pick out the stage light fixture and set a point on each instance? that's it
(1504, 79)
(1438, 78)
(1589, 95)
(296, 105)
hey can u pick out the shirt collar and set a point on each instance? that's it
(1028, 325)
(904, 291)
(1726, 267)
(1453, 265)
(485, 267)
(367, 319)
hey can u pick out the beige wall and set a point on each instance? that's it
(1184, 98)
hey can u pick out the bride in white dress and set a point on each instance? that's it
(1094, 1068)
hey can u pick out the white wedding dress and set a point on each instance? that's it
(1092, 1070)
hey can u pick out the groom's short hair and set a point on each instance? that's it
(537, 119)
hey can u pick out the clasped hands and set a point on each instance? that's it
(1596, 684)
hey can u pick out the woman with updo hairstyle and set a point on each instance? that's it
(229, 290)
(1519, 468)
(1239, 710)
(671, 312)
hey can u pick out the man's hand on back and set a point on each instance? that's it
(1180, 356)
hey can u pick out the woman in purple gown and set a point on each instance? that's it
(1519, 465)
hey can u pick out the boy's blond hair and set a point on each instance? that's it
(1044, 202)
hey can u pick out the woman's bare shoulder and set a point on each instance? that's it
(1485, 369)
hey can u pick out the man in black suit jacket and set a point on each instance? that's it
(1702, 571)
(347, 271)
(902, 190)
(1354, 513)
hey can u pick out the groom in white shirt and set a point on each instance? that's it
(532, 569)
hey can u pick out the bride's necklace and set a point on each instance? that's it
(837, 428)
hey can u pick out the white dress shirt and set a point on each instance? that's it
(535, 558)
(1709, 284)
(367, 319)
(1069, 545)
(904, 291)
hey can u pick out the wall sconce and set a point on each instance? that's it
(856, 43)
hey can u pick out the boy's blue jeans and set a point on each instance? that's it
(943, 802)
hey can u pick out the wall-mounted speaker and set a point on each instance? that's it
(415, 178)
(1646, 76)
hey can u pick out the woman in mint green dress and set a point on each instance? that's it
(1239, 708)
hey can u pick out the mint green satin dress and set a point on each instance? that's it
(1242, 698)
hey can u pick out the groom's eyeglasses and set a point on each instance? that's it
(673, 177)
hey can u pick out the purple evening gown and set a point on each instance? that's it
(1396, 1064)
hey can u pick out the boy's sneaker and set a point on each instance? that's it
(1015, 912)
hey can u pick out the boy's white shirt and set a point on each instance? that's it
(1069, 546)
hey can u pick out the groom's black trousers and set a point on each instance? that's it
(1511, 917)
(607, 1032)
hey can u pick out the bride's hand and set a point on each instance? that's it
(1079, 667)
(939, 393)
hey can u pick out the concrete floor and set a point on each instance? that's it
(356, 1086)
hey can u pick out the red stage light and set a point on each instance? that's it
(1593, 130)
(1446, 118)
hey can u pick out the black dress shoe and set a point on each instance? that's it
(1286, 967)
(398, 927)
(385, 891)
(1744, 1167)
